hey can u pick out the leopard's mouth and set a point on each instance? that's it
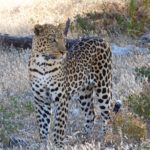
(62, 52)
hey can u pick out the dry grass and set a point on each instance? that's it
(18, 18)
(124, 76)
(15, 86)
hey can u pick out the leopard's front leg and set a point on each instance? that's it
(43, 111)
(61, 116)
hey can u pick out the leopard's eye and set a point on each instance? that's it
(52, 39)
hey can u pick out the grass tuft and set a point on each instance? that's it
(143, 71)
(140, 104)
(11, 117)
(133, 128)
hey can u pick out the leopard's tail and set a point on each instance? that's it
(117, 106)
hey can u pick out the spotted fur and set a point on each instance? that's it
(56, 75)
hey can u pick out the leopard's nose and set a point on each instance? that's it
(62, 48)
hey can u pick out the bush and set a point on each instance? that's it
(140, 104)
(144, 72)
(86, 25)
(137, 19)
(133, 19)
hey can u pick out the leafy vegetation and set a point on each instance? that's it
(85, 24)
(131, 121)
(140, 104)
(133, 20)
(144, 72)
(137, 20)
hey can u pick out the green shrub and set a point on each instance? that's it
(133, 19)
(85, 24)
(28, 106)
(138, 19)
(140, 104)
(144, 72)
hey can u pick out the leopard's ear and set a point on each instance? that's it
(61, 26)
(38, 29)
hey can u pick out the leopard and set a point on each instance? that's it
(57, 74)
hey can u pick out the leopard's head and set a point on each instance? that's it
(49, 39)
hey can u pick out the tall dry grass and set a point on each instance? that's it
(15, 92)
(19, 16)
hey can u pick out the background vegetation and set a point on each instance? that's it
(119, 21)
